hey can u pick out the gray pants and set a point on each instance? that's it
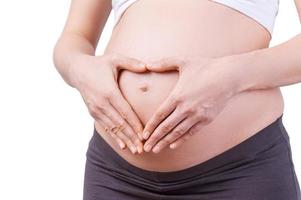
(259, 168)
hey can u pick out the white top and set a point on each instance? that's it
(262, 11)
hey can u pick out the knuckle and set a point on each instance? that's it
(179, 99)
(178, 132)
(93, 111)
(176, 98)
(160, 116)
(124, 114)
(155, 137)
(120, 123)
(207, 120)
(101, 109)
(199, 116)
(188, 110)
(203, 117)
(165, 128)
(99, 106)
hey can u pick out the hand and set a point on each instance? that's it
(202, 91)
(96, 80)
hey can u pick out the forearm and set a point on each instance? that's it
(68, 49)
(268, 68)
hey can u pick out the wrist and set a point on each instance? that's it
(76, 68)
(239, 68)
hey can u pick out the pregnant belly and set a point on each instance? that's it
(148, 37)
(146, 91)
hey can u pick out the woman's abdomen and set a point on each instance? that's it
(189, 27)
(146, 91)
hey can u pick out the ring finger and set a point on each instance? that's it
(176, 133)
(126, 129)
(107, 130)
(120, 134)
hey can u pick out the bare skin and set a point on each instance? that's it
(244, 113)
(95, 77)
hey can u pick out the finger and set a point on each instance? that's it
(163, 129)
(127, 141)
(180, 141)
(121, 144)
(194, 129)
(165, 64)
(130, 63)
(168, 106)
(126, 112)
(126, 129)
(120, 134)
(179, 131)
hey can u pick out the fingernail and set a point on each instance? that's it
(140, 149)
(134, 150)
(156, 149)
(140, 136)
(121, 145)
(173, 146)
(145, 135)
(147, 147)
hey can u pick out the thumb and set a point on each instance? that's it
(130, 63)
(164, 64)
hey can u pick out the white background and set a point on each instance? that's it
(44, 124)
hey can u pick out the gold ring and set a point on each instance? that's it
(121, 127)
(115, 129)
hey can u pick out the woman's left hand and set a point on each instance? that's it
(203, 89)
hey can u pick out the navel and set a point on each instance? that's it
(144, 87)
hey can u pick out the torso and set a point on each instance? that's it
(151, 30)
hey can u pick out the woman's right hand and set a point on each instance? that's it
(96, 78)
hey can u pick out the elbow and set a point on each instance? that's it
(55, 54)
